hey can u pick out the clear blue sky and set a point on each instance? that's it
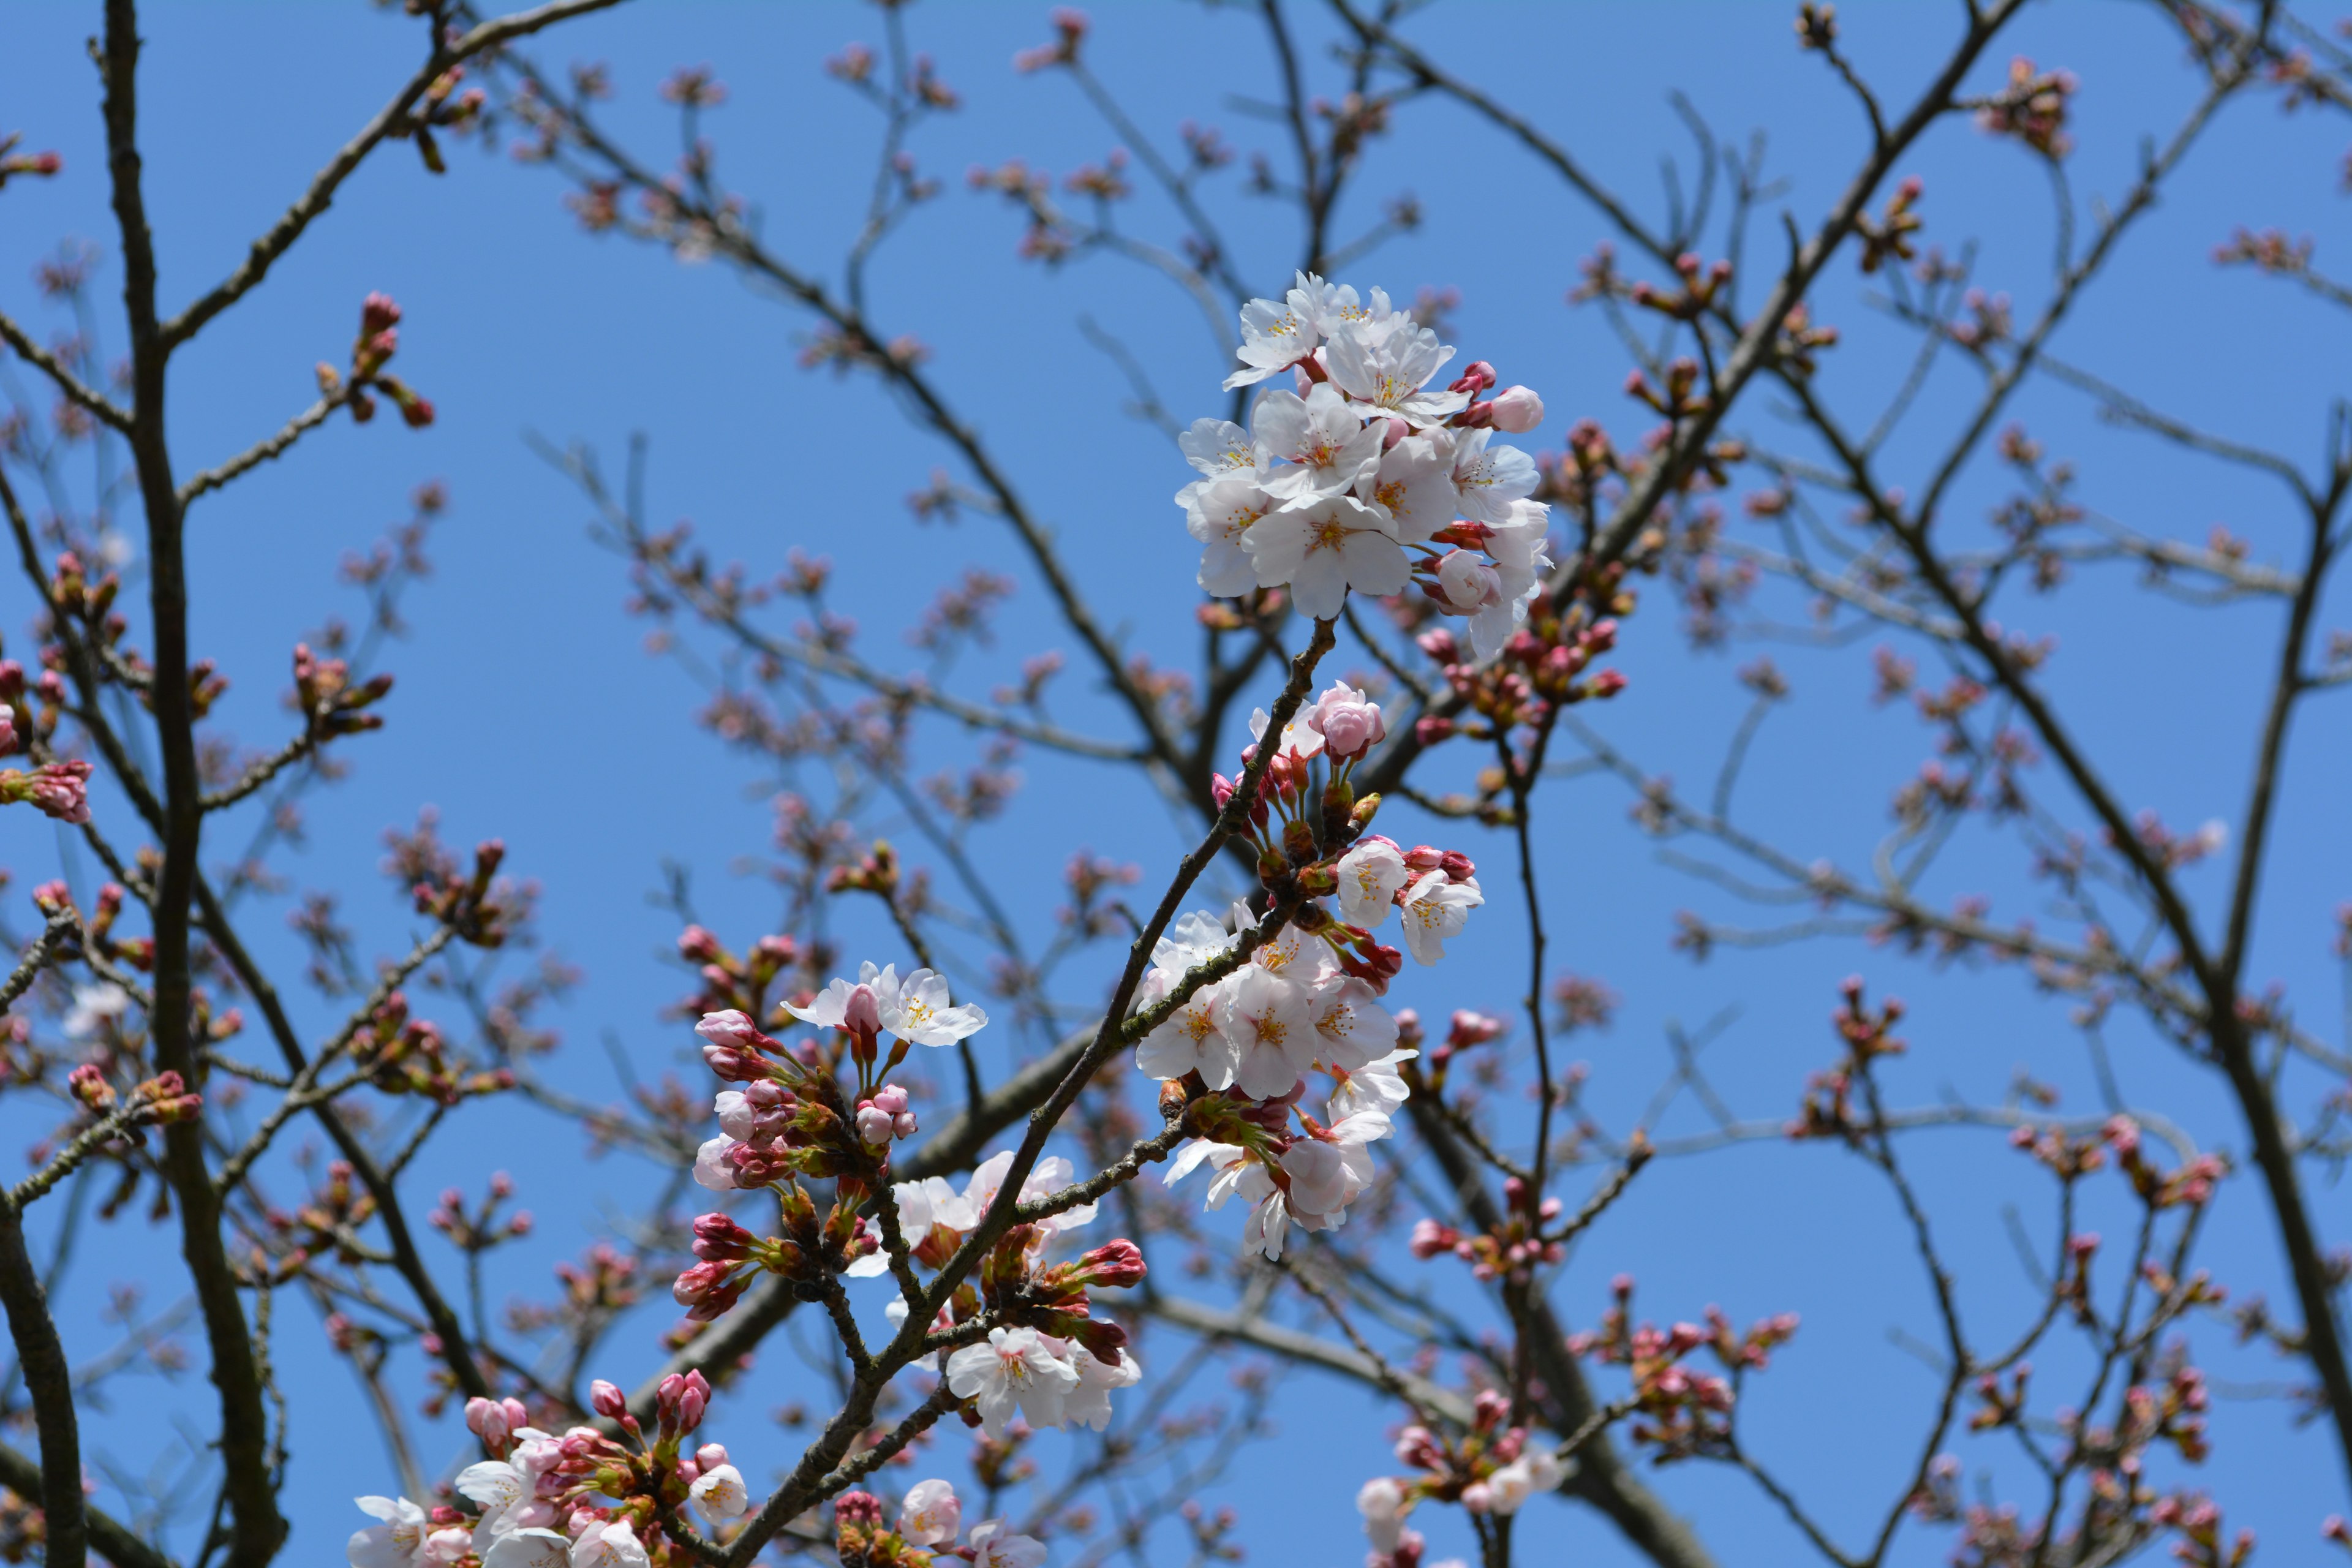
(527, 708)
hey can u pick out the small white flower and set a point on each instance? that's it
(1324, 547)
(931, 1515)
(1265, 1016)
(1413, 485)
(397, 1543)
(1090, 1404)
(612, 1545)
(1370, 876)
(1388, 366)
(916, 1009)
(1354, 1029)
(1489, 478)
(719, 1493)
(1220, 513)
(1329, 1173)
(1376, 1087)
(95, 1007)
(1381, 1501)
(498, 1487)
(1535, 1471)
(535, 1547)
(1222, 449)
(1012, 1372)
(994, 1545)
(1192, 1040)
(711, 1167)
(1276, 335)
(1325, 438)
(1435, 909)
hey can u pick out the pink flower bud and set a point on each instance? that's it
(607, 1401)
(873, 1125)
(862, 1014)
(89, 1085)
(890, 1097)
(698, 945)
(718, 1239)
(1516, 410)
(1477, 376)
(731, 1027)
(857, 1507)
(1116, 1265)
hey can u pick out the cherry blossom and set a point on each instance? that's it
(534, 1547)
(1192, 1040)
(1275, 336)
(1412, 487)
(1088, 1404)
(1352, 1030)
(1013, 1373)
(718, 1493)
(917, 1010)
(1435, 909)
(931, 1514)
(613, 1545)
(1328, 446)
(1370, 876)
(1323, 549)
(1375, 1087)
(396, 1542)
(996, 1545)
(1266, 1017)
(1222, 449)
(1489, 478)
(1220, 514)
(1388, 367)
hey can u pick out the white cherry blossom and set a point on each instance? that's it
(1437, 907)
(1322, 549)
(1413, 485)
(1352, 1029)
(1488, 479)
(1048, 1176)
(612, 1545)
(94, 1007)
(1090, 1404)
(1222, 449)
(1220, 513)
(535, 1547)
(1535, 1471)
(996, 1545)
(1296, 956)
(397, 1543)
(931, 1514)
(1370, 876)
(711, 1166)
(1192, 1040)
(1323, 435)
(1014, 1372)
(1329, 1172)
(1381, 1501)
(1276, 335)
(1266, 1017)
(718, 1493)
(1375, 1087)
(916, 1009)
(1388, 368)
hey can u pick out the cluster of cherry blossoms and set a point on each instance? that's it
(535, 1500)
(1022, 1340)
(1492, 1469)
(930, 1519)
(1367, 476)
(1305, 999)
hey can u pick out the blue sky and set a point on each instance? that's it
(528, 708)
